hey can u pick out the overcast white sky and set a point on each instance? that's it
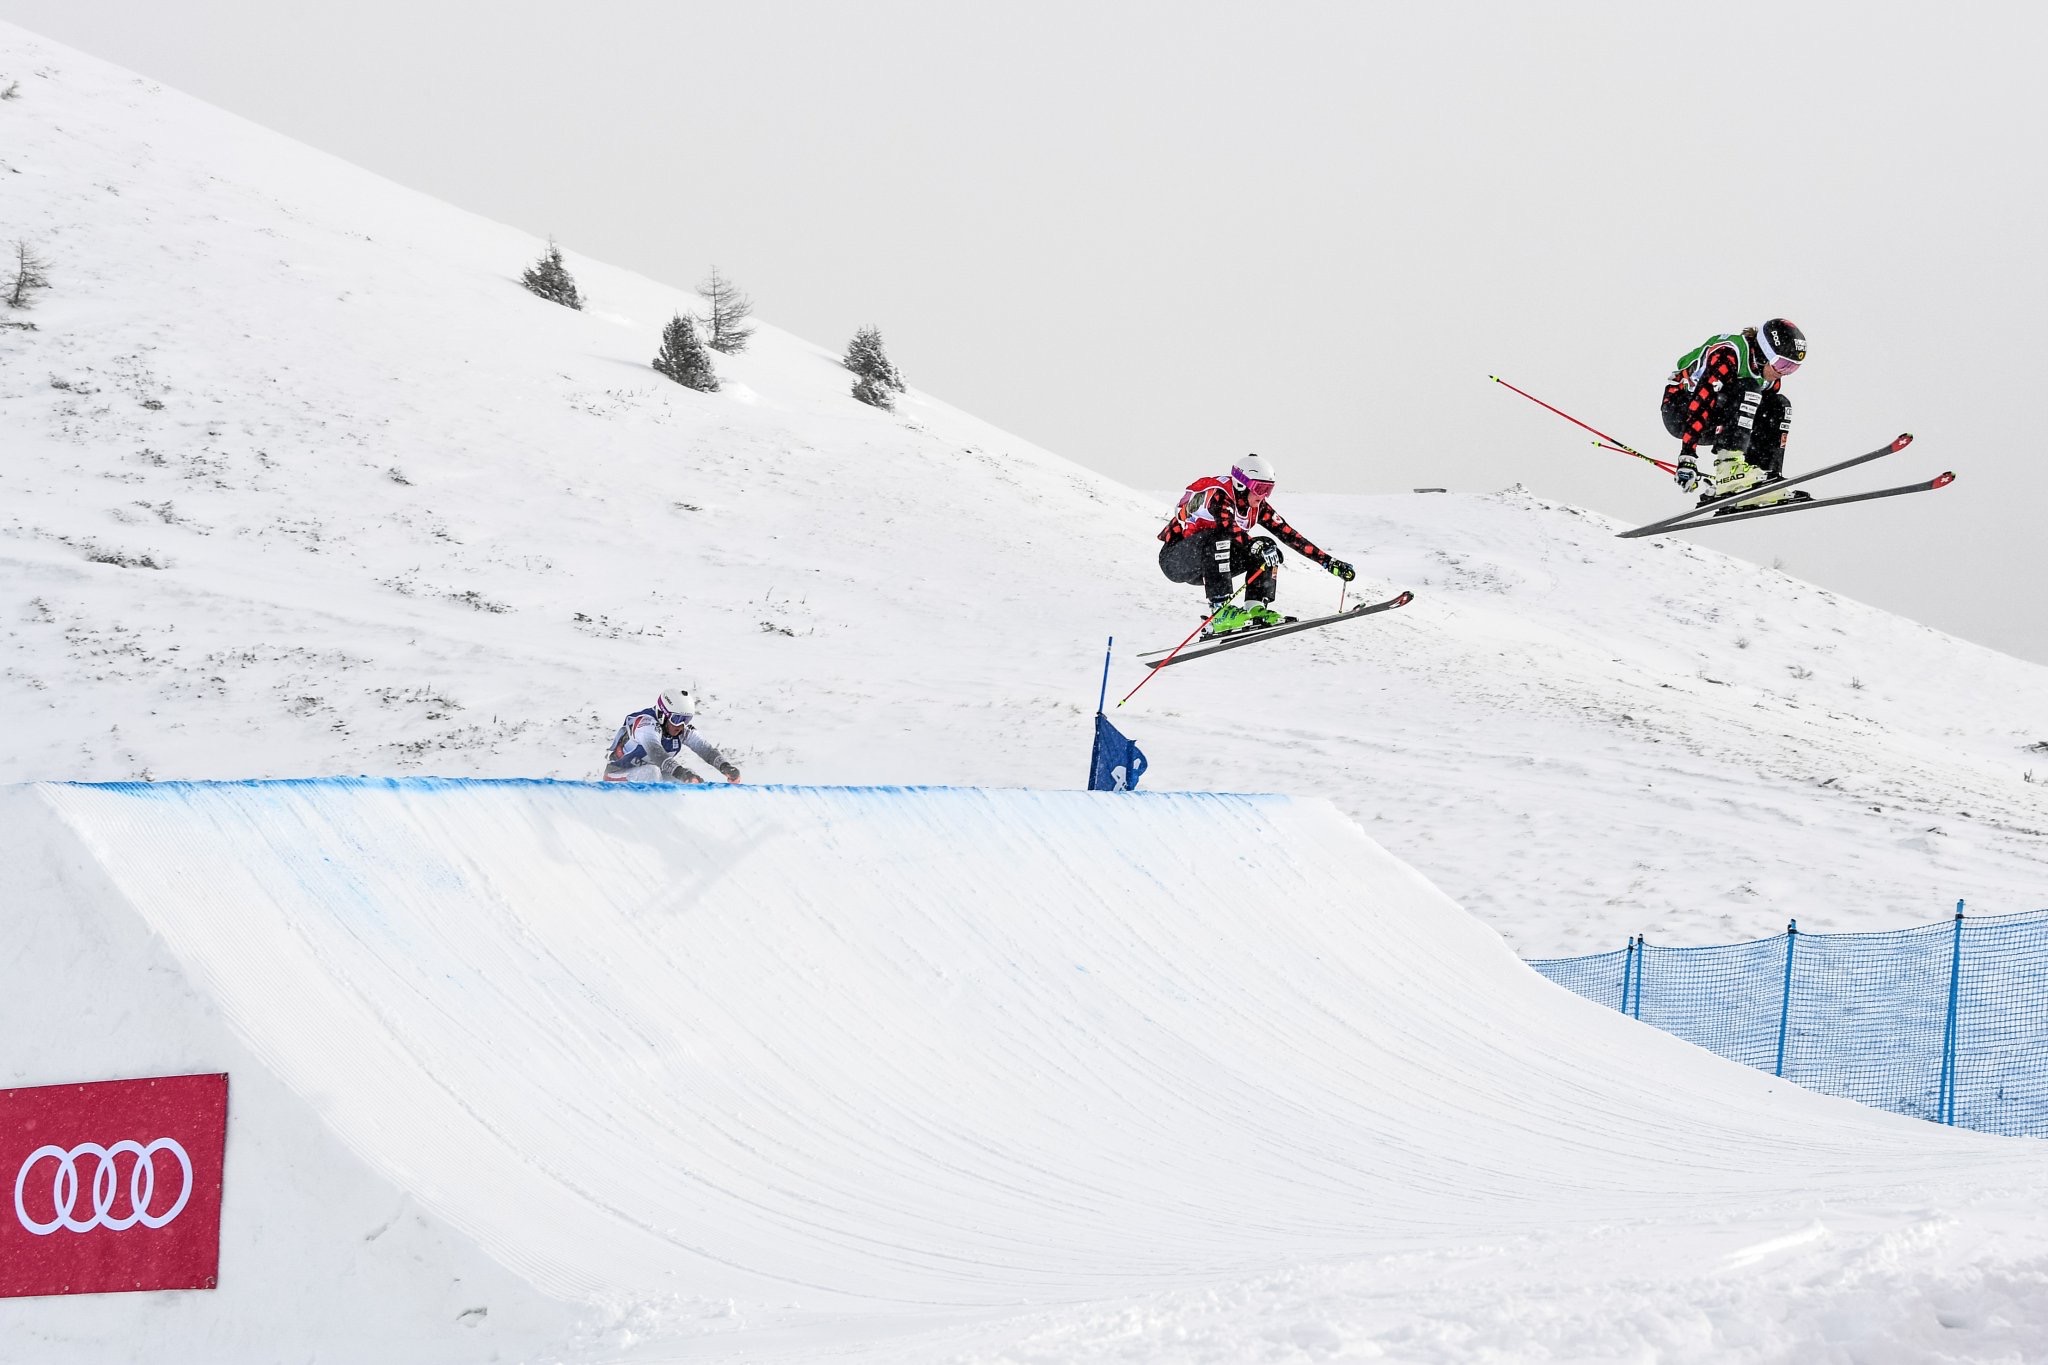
(1150, 236)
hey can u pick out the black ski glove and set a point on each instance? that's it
(732, 772)
(1342, 570)
(1268, 553)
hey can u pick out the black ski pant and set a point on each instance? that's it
(1214, 560)
(1761, 439)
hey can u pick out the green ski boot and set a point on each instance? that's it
(1229, 618)
(1234, 618)
(1261, 614)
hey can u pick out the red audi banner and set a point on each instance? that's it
(115, 1185)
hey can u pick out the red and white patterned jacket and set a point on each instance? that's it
(1211, 505)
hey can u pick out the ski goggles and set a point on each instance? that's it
(1777, 363)
(1258, 488)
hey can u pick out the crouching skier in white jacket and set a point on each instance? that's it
(649, 741)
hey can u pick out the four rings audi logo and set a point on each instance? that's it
(68, 1181)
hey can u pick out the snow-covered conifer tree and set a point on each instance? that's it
(683, 358)
(876, 380)
(550, 279)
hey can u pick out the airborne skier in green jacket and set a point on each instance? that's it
(1726, 392)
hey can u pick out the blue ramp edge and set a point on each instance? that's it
(365, 783)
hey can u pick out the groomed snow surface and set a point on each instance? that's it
(552, 1071)
(295, 480)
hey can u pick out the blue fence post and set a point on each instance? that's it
(1629, 973)
(1948, 1036)
(1642, 942)
(1785, 1008)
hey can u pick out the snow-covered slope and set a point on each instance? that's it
(793, 1074)
(295, 479)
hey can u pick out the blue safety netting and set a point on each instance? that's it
(1947, 1022)
(1601, 977)
(1727, 1000)
(2001, 1050)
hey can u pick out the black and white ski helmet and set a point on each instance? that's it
(1782, 345)
(673, 705)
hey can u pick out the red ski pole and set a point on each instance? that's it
(1192, 634)
(1619, 447)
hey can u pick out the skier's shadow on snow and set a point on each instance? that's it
(692, 861)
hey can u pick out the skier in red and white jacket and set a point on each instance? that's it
(1209, 541)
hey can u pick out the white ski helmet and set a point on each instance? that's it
(1253, 473)
(674, 705)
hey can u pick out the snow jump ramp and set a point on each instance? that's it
(551, 1071)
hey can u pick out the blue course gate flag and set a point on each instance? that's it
(1118, 762)
(1115, 763)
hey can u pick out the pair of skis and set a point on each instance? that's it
(1745, 506)
(1734, 508)
(1160, 658)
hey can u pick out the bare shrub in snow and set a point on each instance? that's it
(13, 91)
(730, 310)
(682, 357)
(550, 279)
(31, 273)
(606, 628)
(876, 381)
(476, 601)
(439, 705)
(120, 559)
